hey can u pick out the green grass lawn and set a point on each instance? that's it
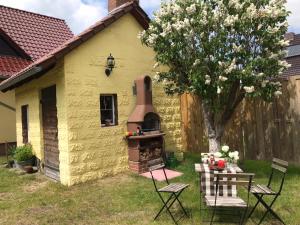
(123, 199)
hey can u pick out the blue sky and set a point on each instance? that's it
(79, 14)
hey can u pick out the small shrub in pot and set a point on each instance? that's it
(23, 156)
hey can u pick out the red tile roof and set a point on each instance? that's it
(10, 65)
(49, 60)
(36, 34)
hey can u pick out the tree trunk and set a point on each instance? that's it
(214, 144)
(214, 130)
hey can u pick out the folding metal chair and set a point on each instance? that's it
(230, 202)
(259, 191)
(173, 189)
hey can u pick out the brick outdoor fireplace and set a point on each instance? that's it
(149, 145)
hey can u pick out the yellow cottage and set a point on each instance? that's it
(79, 97)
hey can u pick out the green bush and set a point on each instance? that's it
(23, 153)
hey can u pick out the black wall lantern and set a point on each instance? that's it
(110, 64)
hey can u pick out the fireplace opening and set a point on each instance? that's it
(151, 122)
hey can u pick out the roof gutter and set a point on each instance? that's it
(3, 77)
(10, 84)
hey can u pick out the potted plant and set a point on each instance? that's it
(23, 156)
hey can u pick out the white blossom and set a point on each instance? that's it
(236, 158)
(207, 79)
(274, 56)
(277, 93)
(156, 77)
(197, 62)
(163, 34)
(192, 9)
(156, 65)
(225, 148)
(234, 155)
(272, 30)
(284, 64)
(284, 43)
(264, 83)
(285, 24)
(221, 63)
(251, 11)
(152, 39)
(231, 67)
(157, 19)
(259, 26)
(221, 78)
(141, 34)
(236, 4)
(219, 90)
(250, 89)
(177, 9)
(230, 20)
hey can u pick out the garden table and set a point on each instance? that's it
(206, 175)
(227, 191)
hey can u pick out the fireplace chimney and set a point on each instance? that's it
(112, 4)
(144, 99)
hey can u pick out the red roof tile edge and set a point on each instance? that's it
(49, 60)
(10, 65)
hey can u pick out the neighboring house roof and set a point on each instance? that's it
(36, 34)
(10, 65)
(293, 55)
(293, 50)
(39, 67)
(294, 69)
(295, 40)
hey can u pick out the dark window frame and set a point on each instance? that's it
(25, 123)
(114, 109)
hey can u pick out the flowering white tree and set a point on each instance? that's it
(220, 50)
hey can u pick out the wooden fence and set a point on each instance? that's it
(259, 130)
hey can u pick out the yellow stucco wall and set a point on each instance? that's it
(7, 118)
(29, 94)
(94, 151)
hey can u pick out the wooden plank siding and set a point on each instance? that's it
(50, 132)
(259, 130)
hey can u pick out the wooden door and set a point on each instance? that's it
(50, 132)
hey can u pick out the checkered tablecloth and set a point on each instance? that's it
(207, 180)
